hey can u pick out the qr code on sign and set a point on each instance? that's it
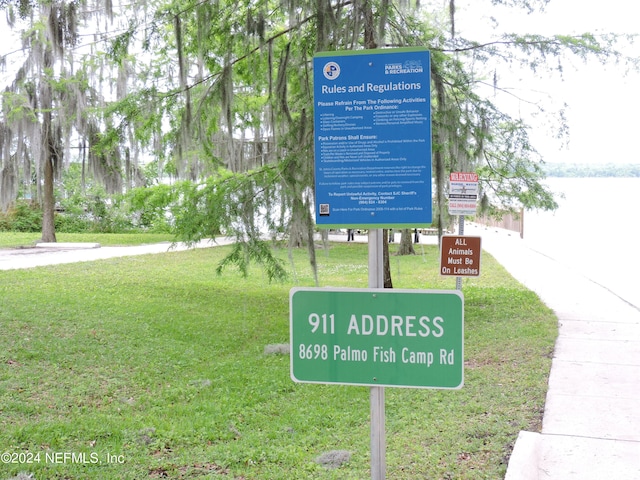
(324, 209)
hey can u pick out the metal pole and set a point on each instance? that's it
(460, 232)
(376, 394)
(378, 440)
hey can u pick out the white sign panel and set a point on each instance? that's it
(463, 193)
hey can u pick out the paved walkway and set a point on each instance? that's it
(55, 254)
(11, 259)
(591, 423)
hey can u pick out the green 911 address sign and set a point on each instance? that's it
(377, 337)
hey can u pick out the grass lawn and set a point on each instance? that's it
(154, 367)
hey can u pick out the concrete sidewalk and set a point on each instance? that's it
(591, 423)
(51, 254)
(59, 253)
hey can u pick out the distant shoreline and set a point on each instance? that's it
(591, 170)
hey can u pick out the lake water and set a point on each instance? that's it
(596, 231)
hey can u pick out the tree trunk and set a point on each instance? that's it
(48, 203)
(385, 260)
(406, 243)
(49, 154)
(438, 158)
(298, 232)
(312, 249)
(369, 27)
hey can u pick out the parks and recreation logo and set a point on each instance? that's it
(331, 70)
(402, 68)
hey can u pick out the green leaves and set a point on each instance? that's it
(258, 251)
(226, 204)
(222, 96)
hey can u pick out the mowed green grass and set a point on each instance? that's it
(154, 367)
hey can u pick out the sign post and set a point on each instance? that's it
(377, 439)
(463, 199)
(372, 121)
(377, 337)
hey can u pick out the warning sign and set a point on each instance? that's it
(463, 193)
(460, 256)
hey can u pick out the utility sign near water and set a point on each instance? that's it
(372, 121)
(377, 337)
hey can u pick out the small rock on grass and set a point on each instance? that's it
(277, 349)
(23, 476)
(334, 458)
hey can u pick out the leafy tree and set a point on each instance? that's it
(241, 107)
(221, 94)
(50, 104)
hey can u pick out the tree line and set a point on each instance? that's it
(592, 170)
(217, 98)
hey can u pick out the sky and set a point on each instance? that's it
(603, 101)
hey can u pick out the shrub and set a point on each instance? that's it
(22, 217)
(72, 223)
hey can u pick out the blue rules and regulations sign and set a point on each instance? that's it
(372, 117)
